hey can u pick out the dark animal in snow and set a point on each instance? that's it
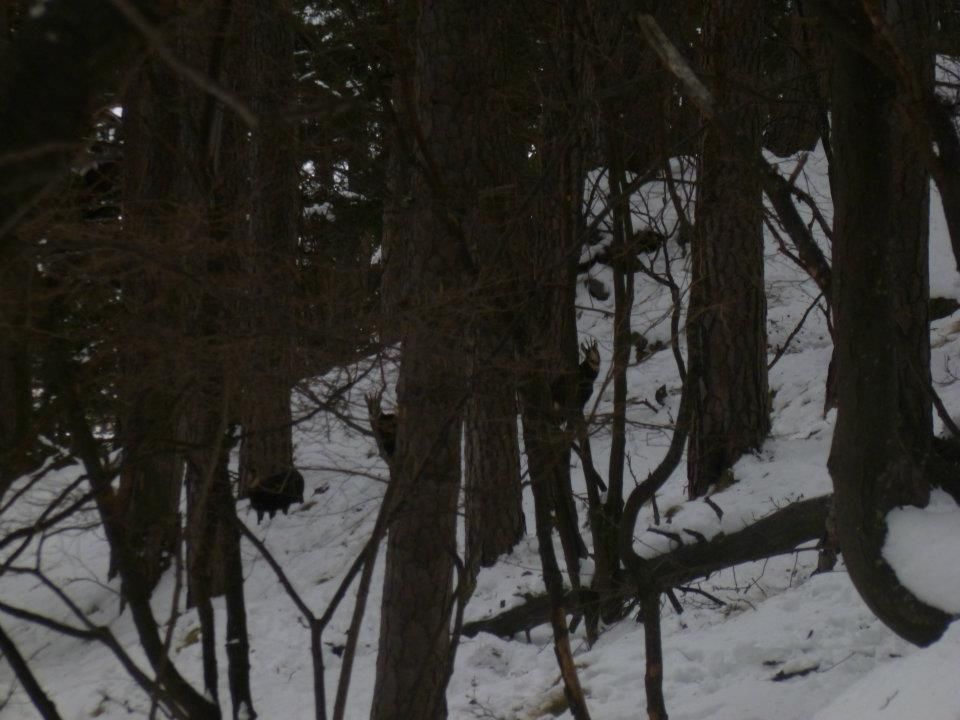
(587, 373)
(276, 492)
(384, 426)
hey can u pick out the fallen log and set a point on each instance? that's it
(534, 611)
(779, 533)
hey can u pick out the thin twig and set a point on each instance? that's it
(786, 343)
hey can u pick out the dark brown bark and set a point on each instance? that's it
(548, 352)
(218, 163)
(548, 261)
(493, 499)
(264, 71)
(726, 322)
(417, 598)
(150, 478)
(155, 180)
(928, 119)
(427, 271)
(535, 610)
(882, 436)
(776, 534)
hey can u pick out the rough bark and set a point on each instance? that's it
(882, 436)
(776, 534)
(210, 198)
(726, 322)
(779, 533)
(229, 175)
(155, 181)
(548, 349)
(426, 268)
(548, 260)
(265, 71)
(493, 498)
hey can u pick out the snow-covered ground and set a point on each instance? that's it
(784, 644)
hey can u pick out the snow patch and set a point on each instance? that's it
(921, 547)
(921, 685)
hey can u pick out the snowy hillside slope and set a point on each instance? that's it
(784, 644)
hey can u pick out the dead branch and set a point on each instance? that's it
(776, 534)
(39, 698)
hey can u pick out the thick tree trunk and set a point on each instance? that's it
(156, 181)
(151, 476)
(265, 72)
(882, 435)
(493, 497)
(548, 350)
(418, 596)
(232, 171)
(548, 260)
(726, 321)
(426, 271)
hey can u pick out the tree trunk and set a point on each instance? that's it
(726, 321)
(548, 260)
(493, 498)
(237, 640)
(156, 181)
(883, 434)
(17, 437)
(426, 271)
(229, 173)
(548, 351)
(265, 74)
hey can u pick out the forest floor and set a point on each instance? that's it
(785, 643)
